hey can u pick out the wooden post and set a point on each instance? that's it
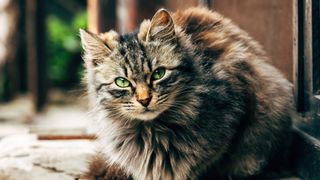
(9, 80)
(308, 57)
(147, 13)
(295, 50)
(126, 15)
(316, 46)
(304, 65)
(21, 48)
(101, 15)
(35, 30)
(184, 4)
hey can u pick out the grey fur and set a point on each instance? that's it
(230, 111)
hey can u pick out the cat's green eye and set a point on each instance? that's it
(158, 73)
(122, 82)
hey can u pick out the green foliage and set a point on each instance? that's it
(63, 46)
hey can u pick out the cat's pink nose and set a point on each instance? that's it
(143, 94)
(145, 102)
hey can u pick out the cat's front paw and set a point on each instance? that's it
(110, 173)
(100, 170)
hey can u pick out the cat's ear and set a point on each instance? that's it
(94, 46)
(161, 27)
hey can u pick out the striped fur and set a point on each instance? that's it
(220, 103)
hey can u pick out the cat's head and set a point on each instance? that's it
(139, 75)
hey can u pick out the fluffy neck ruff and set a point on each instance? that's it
(166, 147)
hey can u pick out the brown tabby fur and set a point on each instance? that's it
(227, 108)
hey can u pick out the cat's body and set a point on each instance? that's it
(219, 103)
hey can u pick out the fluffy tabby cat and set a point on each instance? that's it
(188, 91)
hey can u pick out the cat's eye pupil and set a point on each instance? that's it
(122, 82)
(158, 73)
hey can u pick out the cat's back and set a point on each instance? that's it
(233, 56)
(216, 34)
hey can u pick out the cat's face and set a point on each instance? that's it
(138, 80)
(137, 77)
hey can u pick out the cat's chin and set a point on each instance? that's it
(147, 116)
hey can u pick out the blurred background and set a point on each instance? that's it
(40, 52)
(41, 67)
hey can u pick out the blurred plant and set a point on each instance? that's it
(64, 64)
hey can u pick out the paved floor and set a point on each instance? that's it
(24, 157)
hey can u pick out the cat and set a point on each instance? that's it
(189, 91)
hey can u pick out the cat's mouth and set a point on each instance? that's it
(146, 109)
(147, 114)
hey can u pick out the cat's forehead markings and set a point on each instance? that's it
(134, 55)
(154, 62)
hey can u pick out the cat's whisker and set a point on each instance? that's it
(162, 97)
(127, 102)
(161, 101)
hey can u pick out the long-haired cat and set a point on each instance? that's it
(187, 92)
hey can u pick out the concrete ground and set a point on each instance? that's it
(24, 157)
(25, 151)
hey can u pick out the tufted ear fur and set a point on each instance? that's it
(161, 27)
(96, 47)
